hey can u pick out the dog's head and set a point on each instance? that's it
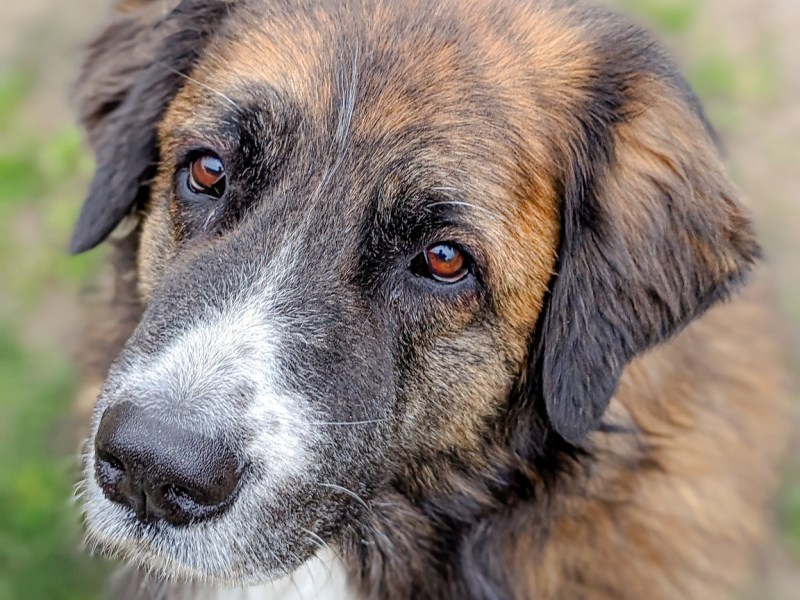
(375, 238)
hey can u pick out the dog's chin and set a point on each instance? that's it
(208, 553)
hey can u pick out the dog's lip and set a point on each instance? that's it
(139, 548)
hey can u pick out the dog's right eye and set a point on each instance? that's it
(206, 175)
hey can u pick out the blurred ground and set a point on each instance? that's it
(743, 56)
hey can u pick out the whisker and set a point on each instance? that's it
(315, 538)
(369, 422)
(200, 83)
(289, 574)
(475, 207)
(323, 545)
(369, 530)
(344, 490)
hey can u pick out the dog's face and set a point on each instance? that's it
(352, 218)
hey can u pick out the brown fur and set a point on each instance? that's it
(675, 512)
(666, 500)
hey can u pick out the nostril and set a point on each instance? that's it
(179, 505)
(111, 475)
(110, 462)
(179, 495)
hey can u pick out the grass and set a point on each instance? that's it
(669, 16)
(789, 515)
(43, 176)
(39, 532)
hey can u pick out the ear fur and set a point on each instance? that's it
(134, 68)
(653, 233)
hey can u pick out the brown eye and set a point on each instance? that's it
(446, 262)
(207, 175)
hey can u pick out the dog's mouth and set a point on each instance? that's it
(222, 550)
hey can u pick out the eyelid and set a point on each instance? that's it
(190, 153)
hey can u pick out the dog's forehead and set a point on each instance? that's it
(486, 86)
(474, 70)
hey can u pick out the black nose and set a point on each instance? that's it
(162, 471)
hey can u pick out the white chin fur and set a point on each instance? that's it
(322, 577)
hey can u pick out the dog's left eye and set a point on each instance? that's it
(445, 262)
(206, 175)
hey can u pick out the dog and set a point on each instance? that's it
(418, 300)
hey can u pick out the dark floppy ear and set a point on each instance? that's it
(653, 233)
(134, 67)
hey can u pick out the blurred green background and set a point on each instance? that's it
(743, 57)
